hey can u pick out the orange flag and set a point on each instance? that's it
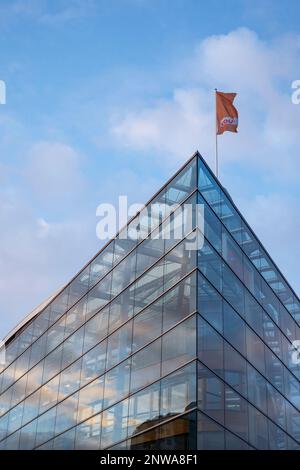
(227, 115)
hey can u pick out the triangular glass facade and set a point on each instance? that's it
(179, 334)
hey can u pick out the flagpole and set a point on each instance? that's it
(216, 128)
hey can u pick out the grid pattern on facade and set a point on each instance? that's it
(156, 346)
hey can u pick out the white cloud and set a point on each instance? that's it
(53, 171)
(260, 72)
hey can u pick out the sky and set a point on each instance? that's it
(110, 97)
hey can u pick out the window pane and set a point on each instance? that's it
(95, 329)
(119, 345)
(210, 394)
(180, 261)
(88, 434)
(70, 379)
(210, 347)
(66, 414)
(101, 264)
(210, 434)
(91, 399)
(146, 366)
(210, 304)
(49, 394)
(147, 325)
(212, 225)
(253, 313)
(232, 254)
(255, 350)
(257, 388)
(99, 296)
(121, 308)
(79, 286)
(149, 287)
(233, 289)
(114, 424)
(93, 363)
(65, 441)
(143, 409)
(235, 372)
(234, 328)
(45, 426)
(182, 185)
(124, 273)
(116, 383)
(179, 302)
(178, 391)
(210, 265)
(179, 345)
(236, 413)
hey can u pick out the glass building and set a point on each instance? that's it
(158, 345)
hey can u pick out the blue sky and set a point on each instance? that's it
(111, 97)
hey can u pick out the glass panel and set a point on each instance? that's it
(209, 188)
(76, 316)
(272, 336)
(212, 226)
(180, 433)
(235, 373)
(146, 366)
(253, 280)
(55, 334)
(91, 399)
(210, 304)
(88, 434)
(257, 388)
(149, 286)
(70, 380)
(179, 345)
(93, 363)
(258, 429)
(95, 329)
(149, 251)
(144, 409)
(79, 286)
(66, 414)
(101, 264)
(210, 394)
(123, 274)
(114, 424)
(72, 348)
(179, 302)
(116, 383)
(253, 313)
(52, 365)
(65, 441)
(45, 426)
(255, 350)
(49, 394)
(178, 262)
(147, 325)
(236, 413)
(210, 265)
(233, 290)
(119, 345)
(27, 437)
(210, 434)
(232, 254)
(59, 306)
(210, 347)
(99, 296)
(31, 407)
(277, 437)
(178, 391)
(234, 328)
(121, 308)
(276, 406)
